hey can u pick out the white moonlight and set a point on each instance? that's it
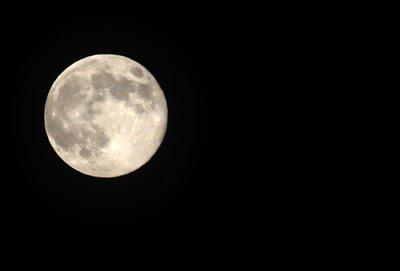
(105, 115)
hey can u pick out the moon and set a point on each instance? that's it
(105, 115)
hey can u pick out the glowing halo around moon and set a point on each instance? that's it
(105, 115)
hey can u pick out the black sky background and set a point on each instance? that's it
(192, 54)
(257, 98)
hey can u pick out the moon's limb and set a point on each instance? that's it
(105, 115)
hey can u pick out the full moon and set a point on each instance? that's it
(105, 115)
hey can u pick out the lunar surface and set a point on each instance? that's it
(105, 115)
